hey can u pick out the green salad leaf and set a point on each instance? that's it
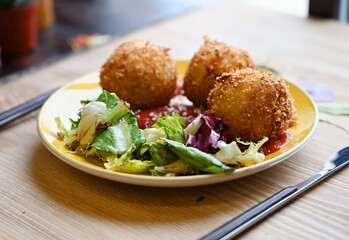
(173, 127)
(115, 140)
(126, 164)
(110, 99)
(157, 173)
(61, 129)
(153, 134)
(135, 166)
(195, 158)
(75, 123)
(251, 155)
(160, 155)
(176, 168)
(116, 109)
(130, 118)
(69, 137)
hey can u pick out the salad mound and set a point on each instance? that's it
(107, 128)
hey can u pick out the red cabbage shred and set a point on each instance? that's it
(210, 132)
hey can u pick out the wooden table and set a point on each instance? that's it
(44, 198)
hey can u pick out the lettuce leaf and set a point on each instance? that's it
(227, 152)
(136, 167)
(231, 153)
(117, 110)
(90, 118)
(195, 158)
(115, 140)
(75, 123)
(69, 138)
(126, 164)
(110, 99)
(173, 127)
(176, 168)
(154, 134)
(251, 155)
(157, 173)
(160, 155)
(61, 129)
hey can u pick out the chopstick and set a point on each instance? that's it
(23, 109)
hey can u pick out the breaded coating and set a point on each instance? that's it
(209, 62)
(254, 103)
(140, 73)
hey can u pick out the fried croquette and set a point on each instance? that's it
(209, 62)
(254, 103)
(141, 73)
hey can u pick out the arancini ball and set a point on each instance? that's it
(141, 73)
(254, 103)
(209, 62)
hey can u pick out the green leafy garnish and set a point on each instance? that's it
(173, 127)
(126, 164)
(117, 139)
(196, 159)
(178, 167)
(160, 155)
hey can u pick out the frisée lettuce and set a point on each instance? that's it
(231, 153)
(107, 128)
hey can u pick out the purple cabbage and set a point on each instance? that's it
(103, 127)
(212, 130)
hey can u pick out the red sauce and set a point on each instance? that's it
(275, 145)
(186, 110)
(150, 116)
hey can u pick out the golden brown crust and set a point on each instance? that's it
(209, 62)
(255, 104)
(140, 73)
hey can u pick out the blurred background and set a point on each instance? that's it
(34, 33)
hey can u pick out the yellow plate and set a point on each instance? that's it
(65, 103)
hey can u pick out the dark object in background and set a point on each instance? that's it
(324, 8)
(106, 17)
(18, 26)
(336, 9)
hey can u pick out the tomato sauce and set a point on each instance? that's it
(148, 117)
(272, 146)
(178, 104)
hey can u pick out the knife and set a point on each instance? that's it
(23, 109)
(247, 219)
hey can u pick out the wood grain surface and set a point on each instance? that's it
(43, 198)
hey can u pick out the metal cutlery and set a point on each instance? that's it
(23, 109)
(247, 219)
